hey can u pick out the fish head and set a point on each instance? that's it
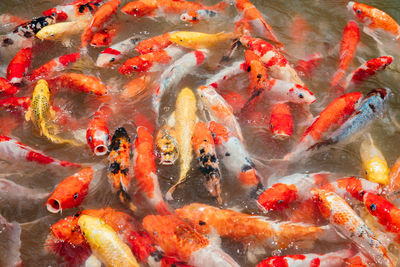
(196, 215)
(136, 64)
(190, 16)
(379, 207)
(42, 88)
(58, 14)
(320, 198)
(166, 148)
(359, 10)
(143, 136)
(119, 134)
(98, 140)
(107, 57)
(278, 197)
(139, 8)
(47, 33)
(67, 230)
(301, 94)
(380, 63)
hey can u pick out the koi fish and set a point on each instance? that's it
(366, 70)
(334, 115)
(281, 121)
(151, 62)
(53, 66)
(235, 100)
(374, 20)
(248, 228)
(348, 223)
(235, 158)
(116, 52)
(62, 31)
(105, 243)
(257, 74)
(19, 65)
(162, 8)
(257, 21)
(12, 150)
(16, 103)
(10, 243)
(332, 259)
(137, 88)
(100, 18)
(80, 82)
(166, 145)
(120, 170)
(145, 171)
(153, 44)
(175, 72)
(348, 46)
(178, 239)
(374, 164)
(370, 109)
(194, 16)
(6, 88)
(97, 134)
(41, 113)
(70, 192)
(77, 10)
(289, 189)
(198, 40)
(204, 148)
(185, 117)
(105, 36)
(305, 67)
(359, 260)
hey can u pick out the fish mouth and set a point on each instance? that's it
(100, 150)
(382, 92)
(350, 5)
(53, 206)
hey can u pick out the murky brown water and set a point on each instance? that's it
(327, 20)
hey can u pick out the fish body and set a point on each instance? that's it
(6, 88)
(105, 243)
(77, 10)
(153, 44)
(348, 46)
(12, 150)
(178, 239)
(235, 157)
(194, 16)
(151, 62)
(97, 134)
(116, 52)
(104, 37)
(100, 18)
(62, 31)
(289, 189)
(79, 82)
(70, 192)
(11, 192)
(10, 21)
(198, 40)
(120, 170)
(331, 259)
(347, 222)
(166, 144)
(30, 28)
(185, 117)
(281, 121)
(19, 65)
(145, 172)
(374, 163)
(15, 103)
(204, 148)
(54, 66)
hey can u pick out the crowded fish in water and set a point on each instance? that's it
(200, 133)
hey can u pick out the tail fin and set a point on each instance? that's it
(234, 46)
(53, 138)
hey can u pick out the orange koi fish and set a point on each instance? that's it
(137, 88)
(348, 46)
(120, 170)
(153, 44)
(105, 36)
(100, 18)
(204, 147)
(145, 171)
(178, 239)
(257, 74)
(281, 121)
(6, 88)
(70, 192)
(347, 222)
(19, 65)
(79, 82)
(248, 228)
(53, 66)
(97, 133)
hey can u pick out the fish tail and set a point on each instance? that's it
(126, 199)
(234, 46)
(85, 62)
(53, 138)
(163, 208)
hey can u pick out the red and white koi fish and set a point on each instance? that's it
(6, 88)
(12, 150)
(53, 66)
(19, 65)
(305, 67)
(178, 239)
(347, 222)
(175, 72)
(153, 44)
(104, 37)
(116, 52)
(194, 16)
(337, 112)
(374, 20)
(97, 134)
(289, 189)
(332, 259)
(235, 157)
(16, 103)
(281, 121)
(79, 9)
(79, 82)
(153, 61)
(99, 20)
(145, 171)
(70, 192)
(348, 46)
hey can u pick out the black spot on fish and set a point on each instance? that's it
(104, 39)
(7, 42)
(246, 168)
(157, 255)
(125, 171)
(248, 69)
(202, 151)
(202, 223)
(213, 158)
(89, 6)
(227, 154)
(76, 195)
(259, 76)
(81, 8)
(28, 34)
(135, 40)
(194, 18)
(372, 107)
(114, 167)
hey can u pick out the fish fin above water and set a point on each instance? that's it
(376, 35)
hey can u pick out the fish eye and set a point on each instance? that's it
(135, 67)
(372, 207)
(259, 76)
(279, 201)
(301, 95)
(361, 192)
(202, 223)
(112, 59)
(194, 18)
(51, 35)
(76, 195)
(77, 214)
(358, 11)
(45, 23)
(90, 139)
(366, 172)
(181, 40)
(271, 125)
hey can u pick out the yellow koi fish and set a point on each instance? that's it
(198, 40)
(62, 31)
(41, 113)
(105, 243)
(185, 117)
